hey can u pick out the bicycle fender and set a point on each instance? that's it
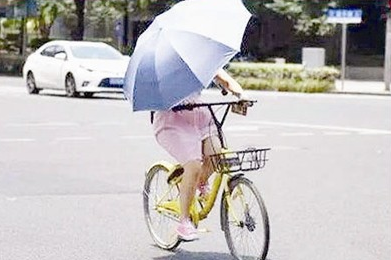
(233, 178)
(165, 164)
(223, 196)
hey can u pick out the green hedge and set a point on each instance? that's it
(11, 64)
(254, 76)
(283, 77)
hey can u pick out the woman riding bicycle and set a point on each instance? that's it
(189, 137)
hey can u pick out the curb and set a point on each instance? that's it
(361, 93)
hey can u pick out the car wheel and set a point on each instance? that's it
(88, 94)
(70, 86)
(31, 85)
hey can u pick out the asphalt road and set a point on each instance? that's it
(72, 170)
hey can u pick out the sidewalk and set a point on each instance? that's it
(361, 87)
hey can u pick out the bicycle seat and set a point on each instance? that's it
(177, 172)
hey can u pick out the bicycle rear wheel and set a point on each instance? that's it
(160, 221)
(245, 221)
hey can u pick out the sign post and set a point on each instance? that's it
(344, 17)
(387, 55)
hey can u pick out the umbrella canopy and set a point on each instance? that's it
(181, 51)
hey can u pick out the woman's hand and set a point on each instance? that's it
(224, 79)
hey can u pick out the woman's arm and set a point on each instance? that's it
(224, 79)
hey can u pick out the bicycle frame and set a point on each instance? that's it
(222, 178)
(172, 207)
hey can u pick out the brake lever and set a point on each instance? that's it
(248, 103)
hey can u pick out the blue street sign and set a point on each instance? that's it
(346, 16)
(26, 8)
(31, 8)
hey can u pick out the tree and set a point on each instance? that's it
(77, 33)
(308, 15)
(118, 10)
(47, 14)
(137, 10)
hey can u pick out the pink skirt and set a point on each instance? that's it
(181, 133)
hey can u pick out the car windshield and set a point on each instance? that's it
(95, 52)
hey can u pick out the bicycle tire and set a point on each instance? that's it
(161, 226)
(250, 231)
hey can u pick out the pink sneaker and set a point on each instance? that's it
(186, 231)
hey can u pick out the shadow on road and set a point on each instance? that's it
(186, 255)
(97, 96)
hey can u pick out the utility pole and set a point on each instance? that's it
(343, 55)
(387, 56)
(125, 35)
(23, 37)
(344, 17)
(23, 28)
(125, 38)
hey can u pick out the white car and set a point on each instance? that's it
(76, 67)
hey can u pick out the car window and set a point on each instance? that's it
(96, 52)
(49, 51)
(59, 49)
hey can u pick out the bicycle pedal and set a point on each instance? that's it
(178, 171)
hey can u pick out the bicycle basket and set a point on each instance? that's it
(246, 160)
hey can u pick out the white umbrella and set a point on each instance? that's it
(182, 50)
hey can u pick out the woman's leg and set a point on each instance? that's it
(186, 230)
(210, 145)
(188, 186)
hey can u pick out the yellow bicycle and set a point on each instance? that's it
(243, 215)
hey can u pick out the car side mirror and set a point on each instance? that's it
(60, 56)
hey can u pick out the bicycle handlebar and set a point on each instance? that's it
(190, 106)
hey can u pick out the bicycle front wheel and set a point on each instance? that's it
(158, 195)
(245, 221)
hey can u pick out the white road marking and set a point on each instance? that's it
(45, 124)
(373, 133)
(109, 124)
(297, 134)
(241, 128)
(136, 137)
(73, 138)
(16, 140)
(325, 127)
(248, 135)
(335, 133)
